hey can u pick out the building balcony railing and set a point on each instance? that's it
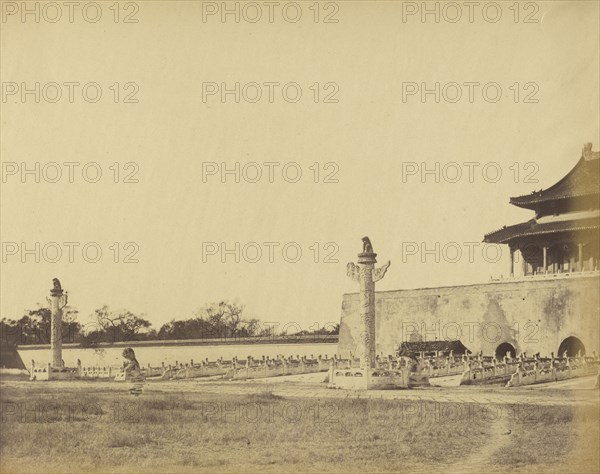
(548, 276)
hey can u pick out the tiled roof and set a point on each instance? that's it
(582, 180)
(533, 227)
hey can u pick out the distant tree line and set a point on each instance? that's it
(223, 320)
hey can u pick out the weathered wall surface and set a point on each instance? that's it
(532, 315)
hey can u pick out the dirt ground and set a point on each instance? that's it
(295, 424)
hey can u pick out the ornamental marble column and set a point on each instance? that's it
(366, 275)
(57, 301)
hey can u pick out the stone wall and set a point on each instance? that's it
(9, 357)
(533, 315)
(156, 354)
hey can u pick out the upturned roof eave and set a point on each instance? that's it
(516, 231)
(529, 201)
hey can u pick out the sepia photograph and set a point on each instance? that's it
(310, 236)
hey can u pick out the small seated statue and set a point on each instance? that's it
(130, 366)
(56, 288)
(367, 247)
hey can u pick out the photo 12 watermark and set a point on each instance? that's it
(470, 92)
(451, 252)
(270, 12)
(528, 332)
(421, 411)
(70, 252)
(270, 92)
(69, 92)
(70, 12)
(269, 172)
(69, 172)
(469, 172)
(286, 411)
(269, 252)
(59, 412)
(471, 12)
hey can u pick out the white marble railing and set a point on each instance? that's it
(547, 276)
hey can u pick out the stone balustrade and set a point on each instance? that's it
(347, 373)
(553, 370)
(479, 371)
(247, 368)
(98, 372)
(267, 367)
(47, 372)
(471, 369)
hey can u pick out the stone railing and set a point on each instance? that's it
(489, 372)
(245, 368)
(267, 367)
(443, 366)
(47, 372)
(98, 372)
(435, 366)
(233, 369)
(553, 370)
(470, 369)
(339, 363)
(205, 368)
(526, 370)
(556, 275)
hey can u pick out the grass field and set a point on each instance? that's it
(103, 430)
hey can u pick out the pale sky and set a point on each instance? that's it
(370, 134)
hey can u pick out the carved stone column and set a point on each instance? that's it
(366, 275)
(57, 301)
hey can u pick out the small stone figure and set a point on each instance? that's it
(131, 365)
(56, 288)
(367, 247)
(131, 371)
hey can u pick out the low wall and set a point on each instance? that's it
(173, 354)
(531, 315)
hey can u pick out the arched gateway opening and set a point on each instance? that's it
(572, 345)
(503, 348)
